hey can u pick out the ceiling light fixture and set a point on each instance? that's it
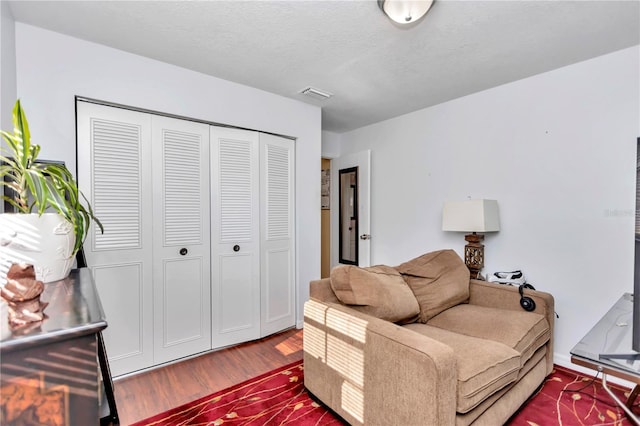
(405, 11)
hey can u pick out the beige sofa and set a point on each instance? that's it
(464, 353)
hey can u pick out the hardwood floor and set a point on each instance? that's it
(145, 394)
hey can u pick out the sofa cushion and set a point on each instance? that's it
(523, 331)
(483, 366)
(378, 290)
(439, 280)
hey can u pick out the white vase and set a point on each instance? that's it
(46, 242)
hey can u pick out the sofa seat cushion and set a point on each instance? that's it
(523, 331)
(483, 366)
(379, 291)
(439, 279)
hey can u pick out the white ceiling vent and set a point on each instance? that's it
(317, 94)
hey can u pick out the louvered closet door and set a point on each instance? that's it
(276, 227)
(115, 175)
(235, 254)
(181, 229)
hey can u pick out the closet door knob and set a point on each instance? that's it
(184, 251)
(236, 248)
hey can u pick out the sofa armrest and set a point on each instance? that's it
(502, 296)
(321, 290)
(374, 372)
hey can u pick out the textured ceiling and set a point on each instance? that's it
(375, 68)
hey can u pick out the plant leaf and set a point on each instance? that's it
(21, 133)
(41, 186)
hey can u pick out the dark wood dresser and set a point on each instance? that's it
(50, 373)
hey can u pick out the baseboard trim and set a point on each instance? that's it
(565, 361)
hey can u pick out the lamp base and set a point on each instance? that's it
(474, 254)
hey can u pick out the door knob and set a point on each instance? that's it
(184, 251)
(365, 237)
(236, 248)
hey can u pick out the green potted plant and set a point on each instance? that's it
(53, 216)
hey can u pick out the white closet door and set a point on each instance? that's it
(235, 241)
(181, 223)
(115, 175)
(277, 242)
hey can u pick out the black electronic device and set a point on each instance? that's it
(635, 339)
(527, 303)
(631, 307)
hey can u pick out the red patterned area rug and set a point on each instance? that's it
(569, 398)
(279, 398)
(274, 398)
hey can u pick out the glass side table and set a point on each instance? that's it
(607, 348)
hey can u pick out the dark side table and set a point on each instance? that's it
(607, 348)
(55, 372)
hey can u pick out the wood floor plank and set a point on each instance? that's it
(146, 394)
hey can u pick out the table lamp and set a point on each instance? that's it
(472, 216)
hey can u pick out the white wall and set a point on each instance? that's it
(330, 144)
(7, 66)
(53, 68)
(556, 150)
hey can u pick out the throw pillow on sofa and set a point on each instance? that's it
(379, 291)
(439, 280)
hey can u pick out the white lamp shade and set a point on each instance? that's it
(405, 11)
(471, 216)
